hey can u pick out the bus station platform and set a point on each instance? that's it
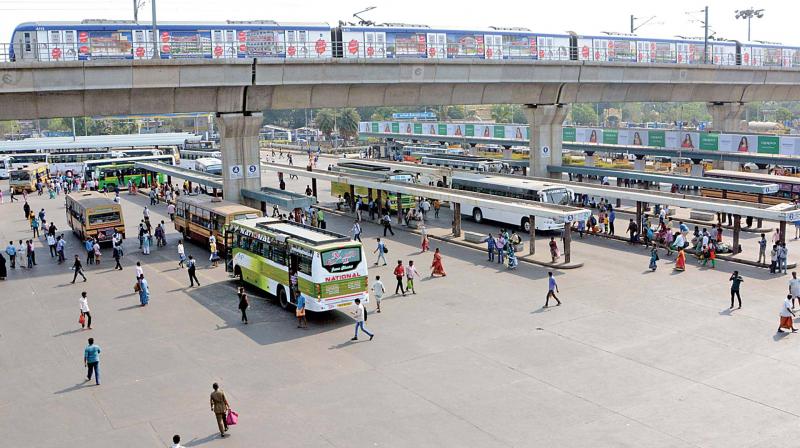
(211, 181)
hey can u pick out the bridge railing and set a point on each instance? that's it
(321, 49)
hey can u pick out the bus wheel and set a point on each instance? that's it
(477, 215)
(283, 301)
(526, 225)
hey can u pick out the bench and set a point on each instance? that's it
(701, 216)
(474, 237)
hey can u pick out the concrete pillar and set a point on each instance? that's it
(545, 136)
(639, 163)
(240, 149)
(639, 212)
(567, 242)
(399, 208)
(782, 226)
(532, 221)
(737, 227)
(589, 160)
(456, 219)
(353, 198)
(760, 221)
(725, 117)
(314, 187)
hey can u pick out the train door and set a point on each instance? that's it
(437, 45)
(375, 45)
(142, 44)
(227, 44)
(493, 46)
(28, 46)
(294, 267)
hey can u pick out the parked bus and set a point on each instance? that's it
(331, 269)
(469, 163)
(208, 165)
(25, 177)
(381, 172)
(788, 186)
(511, 187)
(93, 214)
(189, 156)
(118, 171)
(415, 152)
(197, 217)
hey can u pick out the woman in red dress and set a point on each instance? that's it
(437, 269)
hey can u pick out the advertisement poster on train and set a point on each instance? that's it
(610, 137)
(418, 128)
(407, 128)
(519, 46)
(768, 144)
(260, 43)
(568, 134)
(517, 132)
(709, 142)
(105, 45)
(656, 138)
(186, 44)
(499, 131)
(456, 130)
(405, 45)
(464, 45)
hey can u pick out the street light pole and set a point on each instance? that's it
(156, 54)
(749, 14)
(705, 39)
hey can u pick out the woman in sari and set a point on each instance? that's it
(437, 269)
(144, 291)
(680, 262)
(425, 243)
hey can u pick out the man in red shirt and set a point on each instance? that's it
(399, 273)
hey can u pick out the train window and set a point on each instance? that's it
(27, 38)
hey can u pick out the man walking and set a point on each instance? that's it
(117, 252)
(83, 302)
(737, 280)
(399, 273)
(78, 268)
(181, 254)
(356, 231)
(786, 315)
(219, 406)
(60, 243)
(11, 251)
(91, 360)
(762, 249)
(387, 223)
(378, 290)
(552, 289)
(191, 270)
(360, 315)
(794, 289)
(411, 272)
(381, 250)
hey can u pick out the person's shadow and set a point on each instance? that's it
(206, 439)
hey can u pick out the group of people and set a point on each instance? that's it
(504, 246)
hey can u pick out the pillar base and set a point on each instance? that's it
(545, 123)
(241, 160)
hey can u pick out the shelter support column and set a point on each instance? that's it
(546, 123)
(567, 242)
(782, 225)
(399, 208)
(456, 219)
(241, 162)
(726, 117)
(639, 209)
(760, 222)
(737, 228)
(532, 222)
(353, 198)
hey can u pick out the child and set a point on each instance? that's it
(379, 290)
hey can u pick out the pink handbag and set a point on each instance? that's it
(231, 418)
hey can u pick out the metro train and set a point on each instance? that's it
(120, 39)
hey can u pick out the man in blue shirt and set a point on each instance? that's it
(89, 246)
(552, 289)
(301, 311)
(612, 216)
(91, 359)
(11, 251)
(684, 228)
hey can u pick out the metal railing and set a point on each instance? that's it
(322, 49)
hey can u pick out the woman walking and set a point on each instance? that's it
(144, 291)
(437, 268)
(425, 243)
(553, 249)
(653, 258)
(244, 304)
(680, 262)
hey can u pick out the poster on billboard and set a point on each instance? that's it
(789, 146)
(407, 128)
(624, 137)
(656, 139)
(682, 140)
(727, 142)
(395, 127)
(709, 142)
(568, 134)
(588, 135)
(516, 132)
(483, 131)
(418, 128)
(610, 137)
(768, 144)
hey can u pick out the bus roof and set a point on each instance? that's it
(363, 166)
(757, 177)
(91, 199)
(216, 205)
(127, 160)
(508, 182)
(32, 166)
(305, 235)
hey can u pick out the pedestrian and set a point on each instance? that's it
(736, 280)
(244, 304)
(381, 250)
(51, 244)
(35, 226)
(78, 268)
(552, 289)
(3, 271)
(91, 360)
(786, 315)
(31, 253)
(762, 249)
(612, 216)
(356, 231)
(60, 244)
(117, 254)
(425, 244)
(553, 249)
(783, 254)
(387, 223)
(88, 246)
(776, 237)
(773, 259)
(411, 272)
(794, 289)
(653, 259)
(146, 240)
(191, 271)
(436, 206)
(11, 251)
(437, 267)
(214, 258)
(491, 245)
(360, 315)
(399, 272)
(220, 407)
(97, 253)
(181, 254)
(176, 442)
(378, 290)
(139, 273)
(633, 230)
(500, 247)
(144, 291)
(83, 302)
(171, 212)
(26, 208)
(300, 310)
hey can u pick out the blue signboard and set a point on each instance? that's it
(414, 116)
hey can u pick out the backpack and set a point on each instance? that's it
(385, 249)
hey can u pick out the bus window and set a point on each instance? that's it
(103, 218)
(278, 255)
(304, 264)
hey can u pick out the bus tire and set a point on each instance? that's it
(283, 300)
(525, 225)
(477, 215)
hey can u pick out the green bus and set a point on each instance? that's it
(381, 172)
(119, 171)
(331, 269)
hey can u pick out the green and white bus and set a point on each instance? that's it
(331, 269)
(118, 171)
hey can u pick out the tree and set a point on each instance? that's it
(583, 114)
(471, 114)
(519, 115)
(456, 112)
(325, 121)
(502, 113)
(783, 115)
(347, 123)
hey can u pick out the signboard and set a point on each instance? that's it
(545, 151)
(610, 136)
(709, 142)
(235, 172)
(568, 134)
(253, 171)
(414, 116)
(768, 144)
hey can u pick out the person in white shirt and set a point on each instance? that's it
(411, 272)
(181, 254)
(378, 290)
(360, 315)
(139, 270)
(794, 288)
(171, 211)
(176, 441)
(51, 243)
(356, 231)
(786, 315)
(83, 302)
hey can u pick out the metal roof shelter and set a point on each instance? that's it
(281, 198)
(703, 182)
(533, 209)
(200, 178)
(100, 141)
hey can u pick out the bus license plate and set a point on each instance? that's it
(342, 305)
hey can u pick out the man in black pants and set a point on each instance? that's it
(737, 280)
(192, 276)
(399, 273)
(387, 224)
(78, 268)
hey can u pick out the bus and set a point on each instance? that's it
(415, 152)
(93, 214)
(380, 172)
(512, 187)
(118, 171)
(788, 186)
(469, 163)
(189, 156)
(209, 165)
(197, 217)
(25, 177)
(331, 269)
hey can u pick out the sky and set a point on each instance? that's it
(676, 17)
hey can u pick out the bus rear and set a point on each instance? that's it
(339, 277)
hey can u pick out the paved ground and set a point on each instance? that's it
(632, 358)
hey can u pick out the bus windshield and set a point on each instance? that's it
(20, 175)
(341, 260)
(103, 218)
(559, 196)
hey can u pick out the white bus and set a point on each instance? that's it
(210, 165)
(189, 156)
(469, 163)
(517, 188)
